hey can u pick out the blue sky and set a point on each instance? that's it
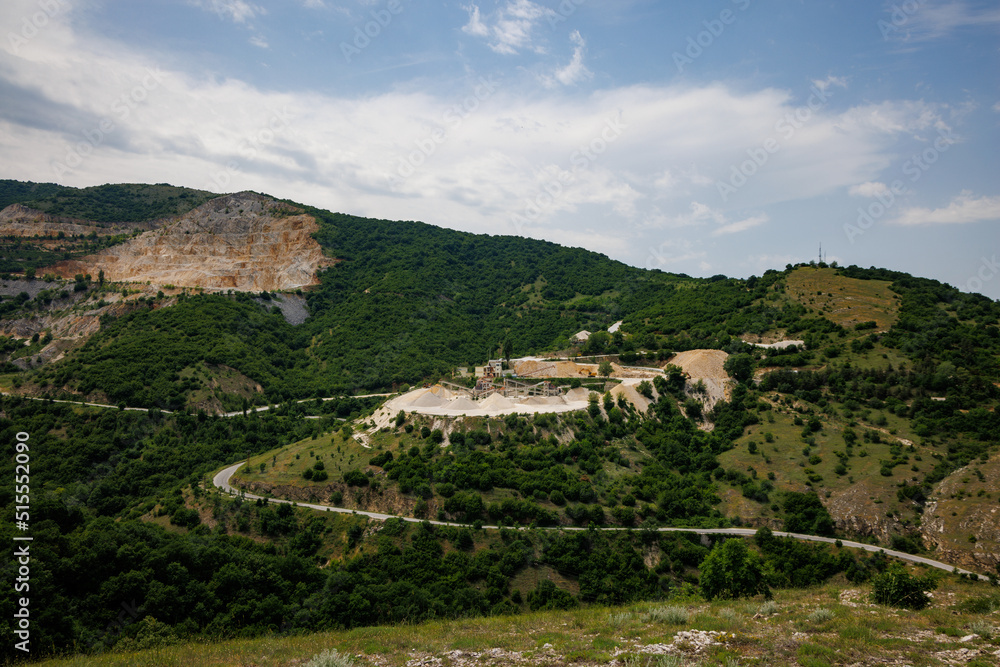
(715, 137)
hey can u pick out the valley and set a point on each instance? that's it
(260, 361)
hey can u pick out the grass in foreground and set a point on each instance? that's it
(827, 625)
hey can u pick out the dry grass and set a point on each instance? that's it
(806, 627)
(846, 301)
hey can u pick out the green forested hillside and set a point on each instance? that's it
(876, 407)
(104, 203)
(409, 300)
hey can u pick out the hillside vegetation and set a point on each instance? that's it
(825, 625)
(879, 423)
(131, 202)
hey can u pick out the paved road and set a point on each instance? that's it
(93, 405)
(221, 480)
(238, 413)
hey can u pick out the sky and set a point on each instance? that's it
(718, 137)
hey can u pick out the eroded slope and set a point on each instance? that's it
(245, 242)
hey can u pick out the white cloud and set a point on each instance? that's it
(869, 189)
(996, 107)
(934, 20)
(665, 181)
(963, 209)
(475, 26)
(575, 71)
(237, 11)
(741, 225)
(656, 175)
(697, 215)
(824, 84)
(673, 253)
(510, 27)
(260, 42)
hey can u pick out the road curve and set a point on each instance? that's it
(221, 481)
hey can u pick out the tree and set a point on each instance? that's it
(898, 588)
(100, 277)
(732, 571)
(605, 369)
(739, 366)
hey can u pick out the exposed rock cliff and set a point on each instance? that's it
(21, 221)
(244, 242)
(962, 521)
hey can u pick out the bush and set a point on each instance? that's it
(380, 459)
(820, 616)
(355, 478)
(185, 518)
(672, 615)
(732, 571)
(330, 658)
(898, 588)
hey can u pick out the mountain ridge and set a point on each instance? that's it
(880, 423)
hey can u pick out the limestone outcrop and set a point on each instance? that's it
(246, 242)
(23, 222)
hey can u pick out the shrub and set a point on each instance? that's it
(330, 658)
(355, 478)
(380, 459)
(769, 608)
(619, 619)
(898, 588)
(820, 616)
(672, 615)
(983, 629)
(732, 571)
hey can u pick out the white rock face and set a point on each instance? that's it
(244, 242)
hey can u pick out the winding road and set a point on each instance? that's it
(221, 481)
(238, 413)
